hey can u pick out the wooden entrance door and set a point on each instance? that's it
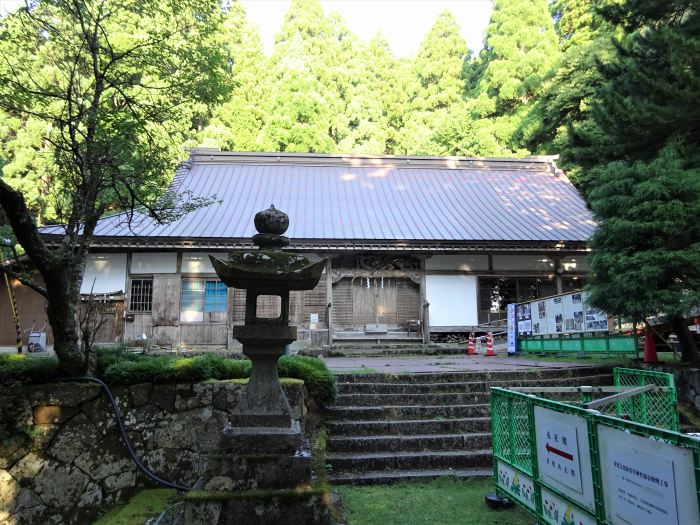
(374, 301)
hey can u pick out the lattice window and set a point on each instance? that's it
(141, 296)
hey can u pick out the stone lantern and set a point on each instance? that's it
(256, 474)
(267, 271)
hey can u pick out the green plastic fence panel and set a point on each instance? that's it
(511, 429)
(578, 344)
(517, 475)
(656, 409)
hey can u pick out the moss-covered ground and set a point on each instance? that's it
(439, 502)
(144, 505)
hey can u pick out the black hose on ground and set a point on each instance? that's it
(125, 437)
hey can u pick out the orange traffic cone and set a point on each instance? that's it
(470, 349)
(489, 345)
(649, 347)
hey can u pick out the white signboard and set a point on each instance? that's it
(596, 320)
(558, 511)
(313, 321)
(563, 458)
(539, 318)
(646, 482)
(517, 484)
(555, 315)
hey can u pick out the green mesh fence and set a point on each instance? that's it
(511, 430)
(514, 440)
(656, 409)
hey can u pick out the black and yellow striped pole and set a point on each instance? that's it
(13, 302)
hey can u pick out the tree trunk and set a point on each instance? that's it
(63, 301)
(689, 350)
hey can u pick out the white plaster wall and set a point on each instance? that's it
(522, 262)
(107, 270)
(165, 262)
(199, 262)
(452, 300)
(457, 262)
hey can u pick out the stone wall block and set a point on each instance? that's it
(28, 468)
(100, 412)
(76, 436)
(176, 465)
(11, 451)
(176, 430)
(15, 404)
(122, 395)
(61, 394)
(140, 393)
(121, 481)
(226, 395)
(58, 483)
(99, 463)
(9, 492)
(163, 396)
(193, 396)
(140, 424)
(91, 497)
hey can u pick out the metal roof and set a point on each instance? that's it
(360, 198)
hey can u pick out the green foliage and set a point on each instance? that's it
(646, 251)
(315, 374)
(236, 122)
(19, 368)
(128, 369)
(438, 84)
(118, 367)
(142, 369)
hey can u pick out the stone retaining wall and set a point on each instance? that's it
(687, 384)
(66, 463)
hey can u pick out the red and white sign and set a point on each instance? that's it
(563, 455)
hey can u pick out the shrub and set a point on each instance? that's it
(315, 374)
(117, 367)
(318, 379)
(19, 368)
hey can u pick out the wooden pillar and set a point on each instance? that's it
(329, 301)
(424, 306)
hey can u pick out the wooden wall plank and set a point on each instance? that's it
(343, 316)
(166, 299)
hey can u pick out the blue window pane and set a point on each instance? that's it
(215, 297)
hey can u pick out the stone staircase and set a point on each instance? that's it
(385, 428)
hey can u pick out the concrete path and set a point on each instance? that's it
(440, 363)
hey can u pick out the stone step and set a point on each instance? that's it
(410, 427)
(382, 477)
(362, 462)
(414, 443)
(395, 412)
(466, 377)
(373, 400)
(462, 387)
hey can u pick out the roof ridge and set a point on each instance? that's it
(360, 160)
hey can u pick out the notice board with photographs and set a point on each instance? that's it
(562, 314)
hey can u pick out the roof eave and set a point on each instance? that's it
(337, 245)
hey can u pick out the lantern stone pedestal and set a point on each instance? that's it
(261, 472)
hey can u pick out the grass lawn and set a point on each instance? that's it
(146, 504)
(439, 502)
